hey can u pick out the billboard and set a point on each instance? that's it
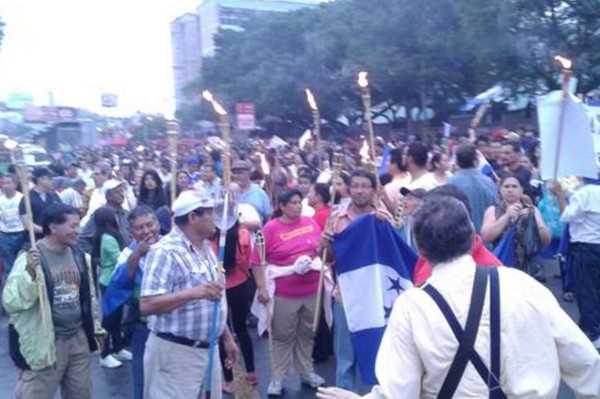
(245, 116)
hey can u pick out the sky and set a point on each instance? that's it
(79, 49)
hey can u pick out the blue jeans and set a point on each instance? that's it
(12, 243)
(138, 345)
(586, 267)
(346, 367)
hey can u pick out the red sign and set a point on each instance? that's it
(246, 119)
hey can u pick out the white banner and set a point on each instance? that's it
(576, 155)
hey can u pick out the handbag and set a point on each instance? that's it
(532, 243)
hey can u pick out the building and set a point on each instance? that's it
(231, 14)
(187, 56)
(192, 34)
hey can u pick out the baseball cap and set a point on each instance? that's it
(191, 200)
(40, 172)
(240, 165)
(417, 193)
(112, 184)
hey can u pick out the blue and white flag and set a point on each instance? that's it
(374, 266)
(493, 93)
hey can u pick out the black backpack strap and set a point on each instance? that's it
(495, 327)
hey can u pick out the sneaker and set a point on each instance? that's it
(123, 355)
(251, 378)
(110, 362)
(313, 380)
(569, 296)
(275, 388)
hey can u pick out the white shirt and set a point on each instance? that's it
(307, 210)
(583, 215)
(10, 221)
(540, 343)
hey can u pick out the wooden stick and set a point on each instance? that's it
(262, 255)
(337, 166)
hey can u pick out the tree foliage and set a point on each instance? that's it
(423, 54)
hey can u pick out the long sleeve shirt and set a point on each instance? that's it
(540, 344)
(583, 215)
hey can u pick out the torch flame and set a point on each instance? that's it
(207, 95)
(362, 79)
(311, 100)
(564, 62)
(10, 144)
(365, 153)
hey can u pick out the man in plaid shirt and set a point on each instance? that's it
(179, 288)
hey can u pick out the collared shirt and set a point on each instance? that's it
(257, 197)
(212, 188)
(172, 265)
(479, 189)
(343, 215)
(39, 203)
(540, 343)
(583, 215)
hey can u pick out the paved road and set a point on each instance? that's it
(116, 384)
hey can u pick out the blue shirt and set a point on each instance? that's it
(479, 189)
(256, 197)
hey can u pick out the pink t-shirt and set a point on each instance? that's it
(286, 242)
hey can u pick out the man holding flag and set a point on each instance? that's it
(426, 352)
(363, 193)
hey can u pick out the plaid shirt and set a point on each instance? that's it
(173, 265)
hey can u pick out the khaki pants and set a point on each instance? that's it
(174, 371)
(72, 373)
(292, 335)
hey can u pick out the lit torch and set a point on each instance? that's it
(316, 117)
(225, 129)
(365, 92)
(566, 65)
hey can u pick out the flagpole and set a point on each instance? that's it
(566, 76)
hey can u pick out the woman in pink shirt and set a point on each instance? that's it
(289, 237)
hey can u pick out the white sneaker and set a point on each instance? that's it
(313, 380)
(123, 355)
(110, 362)
(275, 388)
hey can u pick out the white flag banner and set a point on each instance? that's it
(576, 156)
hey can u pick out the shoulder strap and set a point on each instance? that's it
(495, 326)
(465, 347)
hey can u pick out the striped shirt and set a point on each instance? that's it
(173, 265)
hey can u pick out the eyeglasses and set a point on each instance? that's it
(361, 187)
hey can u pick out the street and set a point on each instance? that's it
(116, 383)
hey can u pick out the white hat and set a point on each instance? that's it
(111, 184)
(190, 200)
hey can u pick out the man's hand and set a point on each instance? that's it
(263, 296)
(211, 291)
(335, 393)
(336, 293)
(231, 351)
(326, 240)
(100, 342)
(144, 246)
(33, 261)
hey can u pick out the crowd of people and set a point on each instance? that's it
(127, 253)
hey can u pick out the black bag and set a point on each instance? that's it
(14, 349)
(532, 243)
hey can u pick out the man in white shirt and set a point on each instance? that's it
(583, 215)
(534, 346)
(12, 232)
(73, 196)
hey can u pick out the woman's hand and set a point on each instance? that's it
(263, 296)
(514, 211)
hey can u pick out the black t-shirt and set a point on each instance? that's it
(38, 206)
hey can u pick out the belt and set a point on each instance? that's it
(183, 341)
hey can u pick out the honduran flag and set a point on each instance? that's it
(374, 266)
